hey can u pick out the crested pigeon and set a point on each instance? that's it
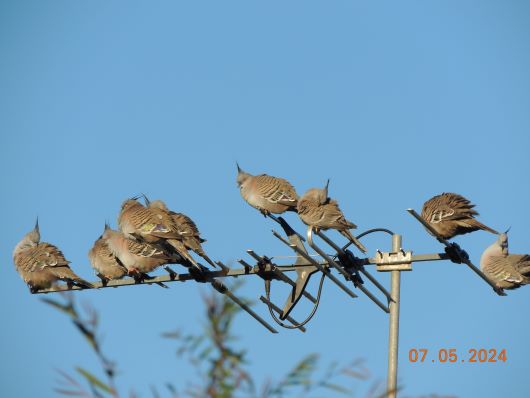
(450, 214)
(266, 193)
(507, 271)
(42, 264)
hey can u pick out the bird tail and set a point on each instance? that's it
(180, 248)
(477, 224)
(208, 259)
(81, 283)
(353, 239)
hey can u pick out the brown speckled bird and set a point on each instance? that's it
(450, 214)
(138, 258)
(42, 264)
(316, 209)
(138, 222)
(267, 194)
(189, 239)
(105, 263)
(507, 271)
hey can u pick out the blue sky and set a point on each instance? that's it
(394, 101)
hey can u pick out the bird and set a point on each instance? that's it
(140, 223)
(41, 264)
(450, 214)
(266, 193)
(138, 258)
(190, 238)
(319, 211)
(104, 262)
(507, 271)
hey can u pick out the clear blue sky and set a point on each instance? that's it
(394, 101)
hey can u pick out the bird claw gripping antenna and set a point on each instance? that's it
(456, 254)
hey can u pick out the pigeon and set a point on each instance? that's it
(266, 193)
(138, 258)
(507, 271)
(190, 238)
(105, 263)
(140, 223)
(450, 214)
(42, 264)
(317, 210)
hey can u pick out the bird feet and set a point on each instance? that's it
(456, 254)
(104, 280)
(264, 212)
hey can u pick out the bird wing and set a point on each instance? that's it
(522, 263)
(276, 190)
(185, 225)
(503, 268)
(100, 253)
(145, 250)
(447, 206)
(45, 255)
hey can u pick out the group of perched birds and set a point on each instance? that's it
(151, 235)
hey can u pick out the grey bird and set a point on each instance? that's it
(104, 262)
(42, 264)
(140, 223)
(190, 238)
(507, 271)
(138, 258)
(266, 193)
(450, 214)
(319, 211)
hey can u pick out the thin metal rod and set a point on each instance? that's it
(320, 267)
(208, 275)
(429, 257)
(235, 299)
(279, 312)
(341, 269)
(253, 254)
(273, 217)
(289, 281)
(340, 250)
(393, 335)
(245, 264)
(373, 298)
(376, 283)
(468, 262)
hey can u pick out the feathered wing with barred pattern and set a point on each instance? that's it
(507, 271)
(42, 264)
(138, 222)
(450, 214)
(137, 257)
(190, 238)
(266, 193)
(104, 262)
(316, 212)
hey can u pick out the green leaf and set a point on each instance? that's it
(66, 308)
(93, 380)
(337, 388)
(71, 393)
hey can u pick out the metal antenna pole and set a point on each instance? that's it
(393, 335)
